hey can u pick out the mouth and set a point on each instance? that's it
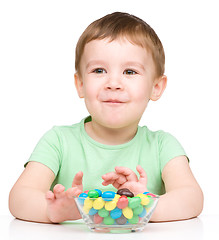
(113, 101)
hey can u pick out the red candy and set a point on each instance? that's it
(97, 219)
(122, 202)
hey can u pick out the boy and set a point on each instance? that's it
(119, 68)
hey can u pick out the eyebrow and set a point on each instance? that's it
(129, 63)
(137, 64)
(94, 62)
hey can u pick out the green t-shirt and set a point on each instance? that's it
(67, 150)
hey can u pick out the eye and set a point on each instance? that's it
(130, 72)
(99, 70)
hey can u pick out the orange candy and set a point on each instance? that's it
(122, 202)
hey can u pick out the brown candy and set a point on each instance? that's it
(126, 192)
(122, 220)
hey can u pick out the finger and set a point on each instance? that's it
(143, 175)
(109, 176)
(73, 192)
(112, 176)
(77, 179)
(58, 191)
(127, 172)
(106, 183)
(116, 185)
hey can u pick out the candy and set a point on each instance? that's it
(122, 220)
(103, 212)
(86, 209)
(99, 191)
(108, 195)
(134, 219)
(134, 202)
(150, 194)
(115, 208)
(93, 194)
(151, 201)
(126, 192)
(92, 211)
(138, 210)
(97, 219)
(127, 212)
(116, 213)
(117, 197)
(82, 197)
(144, 199)
(98, 203)
(88, 203)
(110, 205)
(122, 202)
(108, 220)
(143, 213)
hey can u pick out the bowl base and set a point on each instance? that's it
(117, 228)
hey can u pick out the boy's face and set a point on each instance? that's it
(117, 81)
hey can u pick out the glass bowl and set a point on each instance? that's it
(119, 214)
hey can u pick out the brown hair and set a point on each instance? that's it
(120, 24)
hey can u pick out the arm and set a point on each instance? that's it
(183, 198)
(31, 200)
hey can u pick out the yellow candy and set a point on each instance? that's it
(127, 212)
(98, 203)
(117, 196)
(88, 203)
(110, 205)
(86, 210)
(144, 199)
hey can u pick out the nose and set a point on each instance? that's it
(114, 83)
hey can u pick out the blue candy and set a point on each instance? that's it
(93, 211)
(108, 195)
(99, 191)
(82, 197)
(116, 213)
(143, 213)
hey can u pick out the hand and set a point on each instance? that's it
(124, 177)
(61, 205)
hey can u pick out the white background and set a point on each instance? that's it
(37, 44)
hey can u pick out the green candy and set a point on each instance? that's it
(93, 194)
(134, 219)
(108, 220)
(151, 202)
(134, 202)
(138, 210)
(103, 212)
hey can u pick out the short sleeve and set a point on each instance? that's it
(48, 150)
(169, 148)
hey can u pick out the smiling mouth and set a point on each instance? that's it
(113, 101)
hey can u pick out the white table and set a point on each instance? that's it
(203, 227)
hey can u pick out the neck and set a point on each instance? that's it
(110, 136)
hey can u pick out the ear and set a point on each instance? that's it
(79, 85)
(158, 88)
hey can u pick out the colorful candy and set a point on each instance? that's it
(122, 202)
(115, 208)
(93, 194)
(98, 203)
(127, 212)
(126, 192)
(108, 195)
(110, 205)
